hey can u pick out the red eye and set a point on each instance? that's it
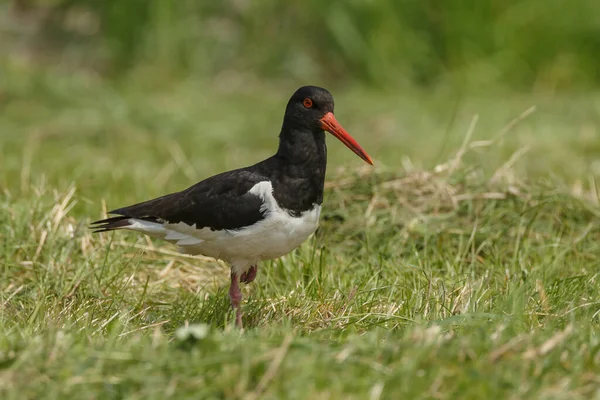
(307, 103)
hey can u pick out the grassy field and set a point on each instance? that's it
(464, 265)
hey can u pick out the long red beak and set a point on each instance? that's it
(330, 124)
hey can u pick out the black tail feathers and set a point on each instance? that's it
(110, 224)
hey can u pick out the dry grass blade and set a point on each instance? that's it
(549, 344)
(272, 370)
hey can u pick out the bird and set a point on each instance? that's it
(251, 214)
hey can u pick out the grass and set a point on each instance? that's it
(451, 270)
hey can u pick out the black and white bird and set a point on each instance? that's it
(255, 213)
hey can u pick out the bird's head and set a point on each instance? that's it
(311, 108)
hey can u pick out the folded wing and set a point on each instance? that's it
(222, 202)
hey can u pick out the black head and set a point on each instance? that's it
(307, 106)
(310, 109)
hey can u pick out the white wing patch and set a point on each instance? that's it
(275, 235)
(181, 233)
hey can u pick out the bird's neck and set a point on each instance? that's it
(303, 149)
(298, 170)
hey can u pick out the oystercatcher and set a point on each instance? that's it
(255, 213)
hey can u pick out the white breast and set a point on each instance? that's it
(275, 235)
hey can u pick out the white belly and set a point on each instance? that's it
(274, 236)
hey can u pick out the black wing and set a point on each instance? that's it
(219, 202)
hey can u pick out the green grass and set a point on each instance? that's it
(474, 279)
(389, 43)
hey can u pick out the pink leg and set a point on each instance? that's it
(249, 275)
(235, 294)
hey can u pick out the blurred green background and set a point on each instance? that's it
(519, 44)
(197, 87)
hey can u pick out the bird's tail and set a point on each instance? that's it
(110, 224)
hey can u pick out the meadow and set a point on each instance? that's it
(461, 265)
(464, 264)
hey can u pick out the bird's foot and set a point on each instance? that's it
(249, 275)
(235, 295)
